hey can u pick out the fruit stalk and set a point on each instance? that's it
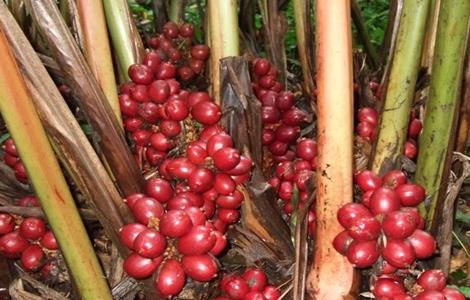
(305, 44)
(98, 51)
(127, 43)
(47, 179)
(331, 276)
(437, 139)
(223, 22)
(393, 126)
(177, 11)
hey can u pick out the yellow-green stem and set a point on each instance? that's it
(47, 179)
(176, 11)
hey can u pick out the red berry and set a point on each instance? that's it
(129, 232)
(254, 296)
(399, 224)
(452, 294)
(196, 97)
(152, 60)
(410, 149)
(198, 241)
(293, 117)
(271, 293)
(365, 229)
(176, 110)
(170, 30)
(351, 212)
(430, 295)
(129, 107)
(285, 100)
(181, 168)
(369, 115)
(165, 71)
(226, 158)
(228, 216)
(32, 258)
(232, 201)
(159, 189)
(342, 241)
(140, 74)
(387, 288)
(201, 180)
(7, 223)
(423, 244)
(394, 178)
(218, 141)
(434, 280)
(236, 287)
(224, 184)
(366, 130)
(141, 137)
(220, 243)
(10, 147)
(161, 142)
(261, 66)
(399, 253)
(414, 128)
(12, 244)
(186, 30)
(175, 223)
(287, 134)
(368, 180)
(206, 113)
(145, 209)
(410, 194)
(306, 149)
(170, 128)
(384, 201)
(200, 267)
(363, 254)
(171, 278)
(256, 279)
(270, 115)
(150, 243)
(200, 52)
(243, 167)
(32, 228)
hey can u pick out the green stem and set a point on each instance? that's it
(401, 86)
(442, 104)
(176, 11)
(364, 34)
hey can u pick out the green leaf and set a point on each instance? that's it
(463, 289)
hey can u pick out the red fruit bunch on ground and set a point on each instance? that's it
(251, 285)
(12, 159)
(26, 239)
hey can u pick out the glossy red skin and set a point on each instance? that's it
(261, 66)
(285, 100)
(200, 267)
(129, 232)
(171, 278)
(228, 216)
(10, 160)
(170, 128)
(220, 243)
(140, 94)
(7, 223)
(368, 114)
(399, 224)
(293, 117)
(198, 241)
(226, 158)
(232, 201)
(208, 208)
(193, 199)
(271, 293)
(366, 130)
(236, 287)
(152, 60)
(175, 223)
(165, 71)
(159, 189)
(196, 97)
(270, 115)
(196, 65)
(268, 98)
(12, 244)
(350, 212)
(423, 243)
(224, 184)
(133, 124)
(196, 154)
(181, 168)
(410, 150)
(141, 137)
(385, 287)
(287, 134)
(161, 142)
(49, 241)
(170, 30)
(430, 295)
(342, 241)
(414, 128)
(399, 253)
(176, 110)
(368, 180)
(434, 280)
(32, 228)
(387, 268)
(256, 279)
(242, 168)
(196, 215)
(201, 180)
(363, 254)
(410, 194)
(140, 74)
(150, 243)
(384, 201)
(20, 172)
(289, 155)
(129, 107)
(452, 294)
(278, 148)
(206, 112)
(146, 209)
(306, 149)
(186, 30)
(286, 190)
(285, 171)
(365, 229)
(10, 147)
(267, 81)
(32, 258)
(218, 141)
(200, 52)
(132, 199)
(149, 112)
(394, 178)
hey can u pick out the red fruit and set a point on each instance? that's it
(129, 107)
(287, 134)
(193, 199)
(217, 142)
(48, 241)
(160, 142)
(268, 98)
(10, 160)
(200, 52)
(387, 288)
(139, 93)
(146, 209)
(366, 198)
(176, 110)
(243, 167)
(365, 229)
(286, 191)
(175, 223)
(369, 115)
(141, 137)
(270, 115)
(20, 172)
(149, 112)
(186, 30)
(209, 131)
(220, 225)
(271, 293)
(306, 149)
(10, 147)
(171, 278)
(159, 91)
(423, 244)
(228, 216)
(399, 224)
(363, 254)
(196, 215)
(129, 232)
(206, 113)
(198, 241)
(150, 243)
(200, 267)
(278, 148)
(170, 128)
(387, 268)
(414, 128)
(256, 279)
(285, 100)
(12, 244)
(7, 223)
(351, 212)
(165, 71)
(254, 296)
(152, 60)
(285, 171)
(342, 241)
(293, 117)
(434, 280)
(185, 73)
(226, 158)
(181, 168)
(267, 137)
(32, 228)
(394, 178)
(140, 74)
(170, 30)
(32, 258)
(174, 55)
(220, 243)
(196, 65)
(430, 295)
(261, 66)
(384, 201)
(196, 154)
(399, 253)
(196, 97)
(232, 201)
(452, 294)
(236, 287)
(159, 189)
(201, 180)
(267, 81)
(366, 130)
(132, 199)
(133, 124)
(410, 149)
(223, 184)
(410, 194)
(368, 180)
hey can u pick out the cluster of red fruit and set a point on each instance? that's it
(26, 239)
(430, 285)
(251, 285)
(12, 159)
(175, 45)
(367, 129)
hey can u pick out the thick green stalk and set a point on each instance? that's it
(401, 86)
(176, 10)
(126, 40)
(223, 22)
(442, 104)
(47, 179)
